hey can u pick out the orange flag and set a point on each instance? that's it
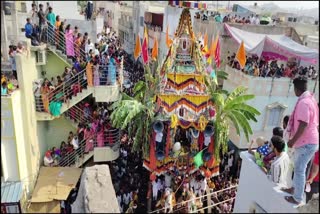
(154, 53)
(241, 55)
(211, 51)
(168, 40)
(205, 40)
(137, 49)
(214, 47)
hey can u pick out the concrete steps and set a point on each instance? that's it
(60, 54)
(83, 160)
(43, 116)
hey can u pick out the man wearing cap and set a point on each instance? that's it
(303, 129)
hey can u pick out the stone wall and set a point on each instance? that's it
(96, 193)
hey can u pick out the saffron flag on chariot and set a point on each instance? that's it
(241, 55)
(154, 53)
(137, 49)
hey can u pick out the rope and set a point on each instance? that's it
(199, 197)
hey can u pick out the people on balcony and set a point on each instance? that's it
(112, 70)
(303, 129)
(45, 89)
(69, 41)
(51, 17)
(280, 167)
(61, 38)
(263, 68)
(42, 23)
(89, 73)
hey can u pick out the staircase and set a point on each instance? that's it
(56, 43)
(109, 151)
(70, 93)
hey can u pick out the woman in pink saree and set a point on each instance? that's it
(100, 136)
(69, 41)
(88, 136)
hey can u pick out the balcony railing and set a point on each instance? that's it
(77, 83)
(58, 39)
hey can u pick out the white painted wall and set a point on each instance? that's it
(254, 187)
(266, 92)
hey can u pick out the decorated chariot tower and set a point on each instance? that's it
(182, 135)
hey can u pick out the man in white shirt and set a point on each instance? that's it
(252, 19)
(280, 166)
(155, 190)
(257, 20)
(126, 199)
(89, 46)
(33, 14)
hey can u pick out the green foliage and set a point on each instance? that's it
(231, 109)
(137, 113)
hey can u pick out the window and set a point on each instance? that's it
(274, 115)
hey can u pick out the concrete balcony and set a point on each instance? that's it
(265, 86)
(256, 193)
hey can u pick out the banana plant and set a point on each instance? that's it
(137, 113)
(231, 109)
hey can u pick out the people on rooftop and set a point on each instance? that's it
(303, 129)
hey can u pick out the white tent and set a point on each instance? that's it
(272, 46)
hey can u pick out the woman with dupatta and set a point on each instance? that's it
(69, 41)
(78, 42)
(96, 74)
(45, 89)
(58, 23)
(88, 136)
(100, 136)
(89, 73)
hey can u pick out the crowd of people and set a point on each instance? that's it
(292, 147)
(94, 130)
(228, 18)
(130, 179)
(9, 80)
(263, 68)
(101, 60)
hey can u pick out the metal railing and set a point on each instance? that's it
(110, 137)
(76, 84)
(63, 92)
(184, 203)
(78, 115)
(71, 158)
(59, 39)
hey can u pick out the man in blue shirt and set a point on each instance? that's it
(28, 29)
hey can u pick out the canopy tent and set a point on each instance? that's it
(272, 46)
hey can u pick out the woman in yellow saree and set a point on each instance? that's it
(45, 89)
(89, 73)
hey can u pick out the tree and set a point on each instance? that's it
(137, 113)
(231, 109)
